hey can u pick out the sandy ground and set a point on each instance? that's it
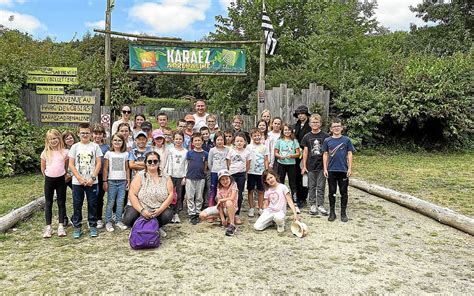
(383, 249)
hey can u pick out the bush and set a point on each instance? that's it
(154, 104)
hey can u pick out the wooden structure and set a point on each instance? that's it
(282, 101)
(61, 110)
(12, 218)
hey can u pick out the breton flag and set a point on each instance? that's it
(270, 37)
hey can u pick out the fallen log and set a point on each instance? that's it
(10, 219)
(440, 214)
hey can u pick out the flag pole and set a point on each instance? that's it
(261, 76)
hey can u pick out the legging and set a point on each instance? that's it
(50, 185)
(290, 169)
(240, 178)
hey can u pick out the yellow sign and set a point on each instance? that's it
(88, 100)
(56, 108)
(49, 89)
(63, 71)
(36, 79)
(45, 117)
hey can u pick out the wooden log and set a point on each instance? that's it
(10, 219)
(440, 214)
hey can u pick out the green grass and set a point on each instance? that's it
(19, 190)
(444, 179)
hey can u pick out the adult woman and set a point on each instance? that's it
(137, 126)
(150, 194)
(266, 115)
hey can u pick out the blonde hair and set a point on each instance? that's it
(316, 116)
(49, 134)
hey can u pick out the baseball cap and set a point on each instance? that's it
(222, 173)
(146, 124)
(141, 133)
(157, 133)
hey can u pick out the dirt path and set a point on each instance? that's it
(383, 249)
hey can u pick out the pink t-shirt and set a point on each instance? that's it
(224, 192)
(55, 165)
(277, 198)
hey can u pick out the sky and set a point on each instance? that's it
(61, 20)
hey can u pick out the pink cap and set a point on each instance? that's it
(157, 133)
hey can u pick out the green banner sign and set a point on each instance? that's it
(153, 58)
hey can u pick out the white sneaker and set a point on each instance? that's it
(121, 226)
(163, 233)
(297, 210)
(48, 232)
(280, 228)
(109, 227)
(322, 210)
(260, 212)
(313, 210)
(176, 218)
(100, 224)
(251, 212)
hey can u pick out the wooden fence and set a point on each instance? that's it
(282, 101)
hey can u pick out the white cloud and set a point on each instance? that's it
(226, 3)
(396, 15)
(169, 16)
(6, 2)
(22, 22)
(95, 25)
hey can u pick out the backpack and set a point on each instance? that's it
(145, 234)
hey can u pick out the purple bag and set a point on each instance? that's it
(145, 234)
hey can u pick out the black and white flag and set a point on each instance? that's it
(270, 37)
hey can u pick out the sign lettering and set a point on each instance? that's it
(49, 89)
(37, 79)
(63, 71)
(69, 99)
(46, 117)
(56, 108)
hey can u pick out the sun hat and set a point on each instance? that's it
(157, 134)
(301, 109)
(222, 173)
(299, 229)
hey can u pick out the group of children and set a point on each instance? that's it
(209, 169)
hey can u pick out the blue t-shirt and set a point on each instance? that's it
(337, 149)
(196, 164)
(137, 155)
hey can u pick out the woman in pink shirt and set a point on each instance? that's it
(277, 196)
(53, 167)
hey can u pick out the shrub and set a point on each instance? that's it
(154, 104)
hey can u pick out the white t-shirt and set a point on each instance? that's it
(217, 159)
(84, 159)
(176, 165)
(277, 198)
(117, 163)
(238, 160)
(257, 161)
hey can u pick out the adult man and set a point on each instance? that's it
(200, 115)
(126, 112)
(301, 128)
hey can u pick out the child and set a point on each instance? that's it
(312, 164)
(176, 167)
(206, 138)
(269, 142)
(237, 124)
(98, 135)
(147, 128)
(84, 161)
(124, 129)
(226, 202)
(168, 134)
(69, 139)
(136, 157)
(217, 162)
(258, 164)
(277, 196)
(116, 180)
(211, 122)
(181, 125)
(188, 131)
(273, 136)
(162, 120)
(238, 164)
(287, 149)
(229, 138)
(137, 126)
(195, 178)
(158, 146)
(53, 167)
(337, 164)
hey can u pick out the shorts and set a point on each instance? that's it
(254, 181)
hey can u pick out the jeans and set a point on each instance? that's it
(115, 194)
(213, 190)
(77, 201)
(316, 186)
(50, 185)
(130, 215)
(240, 178)
(338, 179)
(290, 169)
(100, 197)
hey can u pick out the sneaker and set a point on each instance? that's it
(260, 212)
(194, 220)
(176, 218)
(280, 228)
(230, 230)
(297, 209)
(61, 231)
(237, 220)
(162, 233)
(109, 227)
(76, 233)
(344, 217)
(48, 232)
(332, 216)
(100, 224)
(322, 210)
(93, 232)
(251, 212)
(313, 210)
(121, 225)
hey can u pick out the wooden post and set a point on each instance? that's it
(108, 80)
(261, 81)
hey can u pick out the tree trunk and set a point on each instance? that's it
(22, 213)
(440, 214)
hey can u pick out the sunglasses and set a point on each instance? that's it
(126, 111)
(152, 161)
